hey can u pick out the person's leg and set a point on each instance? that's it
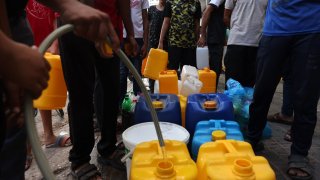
(188, 57)
(270, 61)
(250, 66)
(137, 61)
(306, 86)
(174, 55)
(235, 62)
(287, 102)
(77, 62)
(215, 59)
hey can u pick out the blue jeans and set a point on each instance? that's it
(124, 72)
(304, 53)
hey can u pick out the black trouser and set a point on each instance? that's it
(181, 56)
(79, 61)
(240, 62)
(304, 53)
(215, 59)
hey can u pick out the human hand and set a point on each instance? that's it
(201, 41)
(27, 68)
(89, 23)
(13, 105)
(131, 47)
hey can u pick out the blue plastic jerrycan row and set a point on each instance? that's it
(204, 133)
(167, 107)
(205, 107)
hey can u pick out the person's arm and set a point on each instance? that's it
(165, 24)
(125, 12)
(89, 22)
(197, 19)
(145, 33)
(228, 12)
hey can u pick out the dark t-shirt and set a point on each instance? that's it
(155, 17)
(16, 7)
(216, 31)
(182, 14)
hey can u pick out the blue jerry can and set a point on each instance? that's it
(166, 105)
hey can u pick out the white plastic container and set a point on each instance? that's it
(144, 132)
(202, 57)
(190, 86)
(189, 71)
(156, 87)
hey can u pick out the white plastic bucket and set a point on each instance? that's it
(144, 132)
(202, 57)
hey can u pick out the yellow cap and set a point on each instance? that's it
(157, 104)
(165, 170)
(210, 105)
(218, 135)
(242, 168)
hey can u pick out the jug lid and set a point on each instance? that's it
(218, 135)
(210, 105)
(157, 104)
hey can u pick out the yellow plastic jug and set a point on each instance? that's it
(183, 105)
(168, 82)
(157, 61)
(208, 78)
(55, 95)
(232, 160)
(148, 162)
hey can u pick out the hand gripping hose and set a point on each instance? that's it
(28, 105)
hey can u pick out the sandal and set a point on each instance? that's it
(287, 136)
(114, 160)
(61, 141)
(28, 162)
(279, 118)
(298, 164)
(85, 172)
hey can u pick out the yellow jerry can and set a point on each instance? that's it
(208, 78)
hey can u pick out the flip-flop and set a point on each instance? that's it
(86, 171)
(300, 163)
(278, 119)
(61, 141)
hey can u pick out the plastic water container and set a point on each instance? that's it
(148, 162)
(208, 78)
(202, 57)
(157, 61)
(205, 107)
(232, 160)
(133, 136)
(166, 105)
(183, 105)
(55, 95)
(168, 82)
(189, 71)
(208, 131)
(190, 85)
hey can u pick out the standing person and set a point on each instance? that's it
(291, 29)
(245, 19)
(155, 17)
(215, 34)
(139, 16)
(26, 68)
(181, 18)
(42, 22)
(80, 62)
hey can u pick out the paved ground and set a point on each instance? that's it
(276, 151)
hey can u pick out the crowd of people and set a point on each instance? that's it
(268, 39)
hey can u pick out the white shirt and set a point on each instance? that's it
(216, 2)
(136, 15)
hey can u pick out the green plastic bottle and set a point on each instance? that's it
(126, 103)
